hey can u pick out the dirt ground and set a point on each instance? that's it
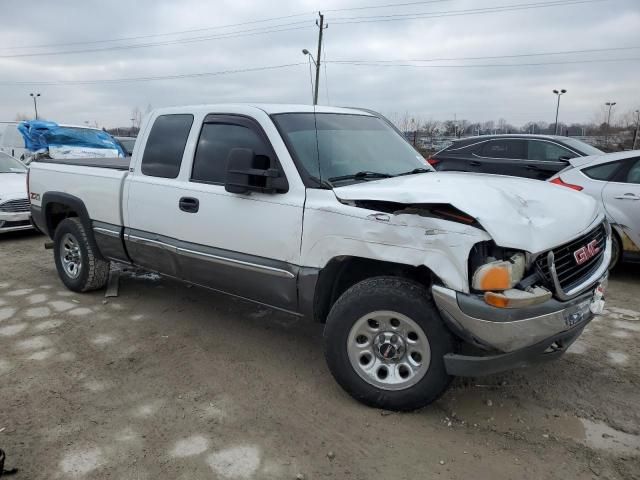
(171, 382)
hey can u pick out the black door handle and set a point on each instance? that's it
(475, 164)
(189, 204)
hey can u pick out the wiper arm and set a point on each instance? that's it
(414, 171)
(361, 176)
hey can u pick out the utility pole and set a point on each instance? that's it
(321, 26)
(35, 102)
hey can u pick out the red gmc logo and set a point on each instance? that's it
(585, 253)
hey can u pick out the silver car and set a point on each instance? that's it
(14, 202)
(614, 180)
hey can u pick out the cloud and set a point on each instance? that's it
(516, 93)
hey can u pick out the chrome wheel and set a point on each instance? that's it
(70, 256)
(388, 350)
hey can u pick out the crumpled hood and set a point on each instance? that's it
(12, 186)
(518, 213)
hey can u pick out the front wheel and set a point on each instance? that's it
(385, 344)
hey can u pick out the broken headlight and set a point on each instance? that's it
(497, 279)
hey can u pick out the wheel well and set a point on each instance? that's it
(55, 213)
(341, 273)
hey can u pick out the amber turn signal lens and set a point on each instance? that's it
(497, 277)
(496, 300)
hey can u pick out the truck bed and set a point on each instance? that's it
(115, 163)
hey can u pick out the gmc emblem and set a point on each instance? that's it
(585, 253)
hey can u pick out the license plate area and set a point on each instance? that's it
(576, 314)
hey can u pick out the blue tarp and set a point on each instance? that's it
(39, 135)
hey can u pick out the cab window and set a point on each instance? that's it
(165, 145)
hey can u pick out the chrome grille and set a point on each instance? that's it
(570, 274)
(15, 206)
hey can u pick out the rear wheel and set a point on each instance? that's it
(385, 342)
(79, 267)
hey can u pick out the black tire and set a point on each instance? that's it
(399, 295)
(616, 250)
(94, 271)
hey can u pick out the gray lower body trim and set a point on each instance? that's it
(267, 281)
(109, 241)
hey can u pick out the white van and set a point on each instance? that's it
(11, 141)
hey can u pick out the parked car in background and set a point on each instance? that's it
(529, 156)
(11, 140)
(127, 144)
(613, 180)
(14, 201)
(329, 213)
(49, 139)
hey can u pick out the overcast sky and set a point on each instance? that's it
(516, 93)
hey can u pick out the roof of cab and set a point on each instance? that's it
(269, 108)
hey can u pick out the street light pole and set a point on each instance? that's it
(558, 94)
(635, 136)
(35, 102)
(606, 137)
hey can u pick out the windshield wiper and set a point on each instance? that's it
(414, 171)
(361, 176)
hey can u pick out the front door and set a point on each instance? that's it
(545, 159)
(244, 244)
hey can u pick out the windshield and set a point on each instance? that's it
(8, 164)
(581, 146)
(346, 145)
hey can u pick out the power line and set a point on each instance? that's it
(243, 33)
(458, 13)
(493, 57)
(149, 79)
(389, 5)
(297, 26)
(215, 27)
(368, 64)
(152, 35)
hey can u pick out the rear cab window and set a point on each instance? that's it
(165, 145)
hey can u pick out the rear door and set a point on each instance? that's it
(152, 196)
(545, 159)
(621, 198)
(501, 157)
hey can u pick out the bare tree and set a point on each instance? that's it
(431, 128)
(20, 117)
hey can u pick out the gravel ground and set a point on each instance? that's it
(167, 381)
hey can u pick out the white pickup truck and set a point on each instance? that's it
(329, 213)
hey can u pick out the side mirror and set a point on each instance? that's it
(247, 172)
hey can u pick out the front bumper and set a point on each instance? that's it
(513, 336)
